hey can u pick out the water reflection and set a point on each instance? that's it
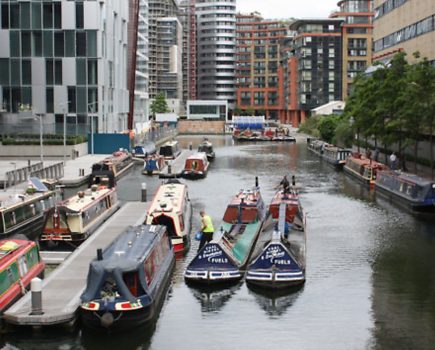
(213, 299)
(276, 303)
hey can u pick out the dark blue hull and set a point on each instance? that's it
(275, 268)
(212, 265)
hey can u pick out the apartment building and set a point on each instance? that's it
(404, 25)
(216, 42)
(312, 67)
(257, 64)
(357, 33)
(140, 34)
(64, 58)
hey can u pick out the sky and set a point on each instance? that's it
(288, 8)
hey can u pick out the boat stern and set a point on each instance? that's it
(212, 265)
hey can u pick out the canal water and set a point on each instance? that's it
(370, 268)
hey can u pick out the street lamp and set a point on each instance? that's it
(15, 174)
(92, 124)
(63, 105)
(39, 116)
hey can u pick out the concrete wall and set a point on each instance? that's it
(18, 151)
(200, 127)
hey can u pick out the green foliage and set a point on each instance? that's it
(159, 105)
(327, 126)
(48, 139)
(396, 104)
(344, 135)
(310, 127)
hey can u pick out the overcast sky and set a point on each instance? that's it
(288, 8)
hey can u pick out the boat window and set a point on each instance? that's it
(6, 280)
(181, 219)
(32, 257)
(22, 265)
(149, 269)
(132, 282)
(2, 225)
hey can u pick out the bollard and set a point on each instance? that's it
(144, 192)
(190, 146)
(29, 162)
(99, 254)
(36, 289)
(169, 169)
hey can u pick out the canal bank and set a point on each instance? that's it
(370, 267)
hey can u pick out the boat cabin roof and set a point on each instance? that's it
(249, 197)
(10, 200)
(169, 197)
(116, 157)
(366, 162)
(83, 199)
(198, 156)
(291, 198)
(10, 248)
(409, 178)
(169, 144)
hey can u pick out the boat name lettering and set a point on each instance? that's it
(218, 260)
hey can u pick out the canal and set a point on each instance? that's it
(370, 268)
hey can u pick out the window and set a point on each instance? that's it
(14, 43)
(25, 15)
(59, 44)
(48, 43)
(57, 15)
(26, 47)
(79, 15)
(50, 100)
(37, 43)
(49, 72)
(91, 43)
(81, 44)
(26, 67)
(36, 15)
(5, 16)
(81, 71)
(92, 72)
(14, 16)
(15, 72)
(72, 99)
(70, 43)
(58, 72)
(47, 15)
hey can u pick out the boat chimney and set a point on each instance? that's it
(293, 180)
(99, 254)
(256, 181)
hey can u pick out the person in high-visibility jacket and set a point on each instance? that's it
(207, 229)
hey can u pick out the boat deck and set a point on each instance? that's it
(62, 289)
(177, 165)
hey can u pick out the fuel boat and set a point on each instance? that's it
(223, 260)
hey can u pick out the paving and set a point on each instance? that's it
(72, 176)
(62, 289)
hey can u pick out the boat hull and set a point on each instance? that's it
(414, 207)
(275, 268)
(32, 229)
(367, 182)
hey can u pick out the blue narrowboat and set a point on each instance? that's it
(128, 281)
(281, 261)
(223, 260)
(143, 151)
(153, 164)
(408, 190)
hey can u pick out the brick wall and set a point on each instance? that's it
(200, 127)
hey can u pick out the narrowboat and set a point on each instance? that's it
(73, 220)
(127, 281)
(118, 163)
(336, 156)
(363, 169)
(207, 147)
(316, 146)
(223, 260)
(170, 150)
(24, 213)
(280, 262)
(172, 208)
(408, 190)
(153, 164)
(196, 166)
(19, 264)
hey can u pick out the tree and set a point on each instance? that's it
(159, 105)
